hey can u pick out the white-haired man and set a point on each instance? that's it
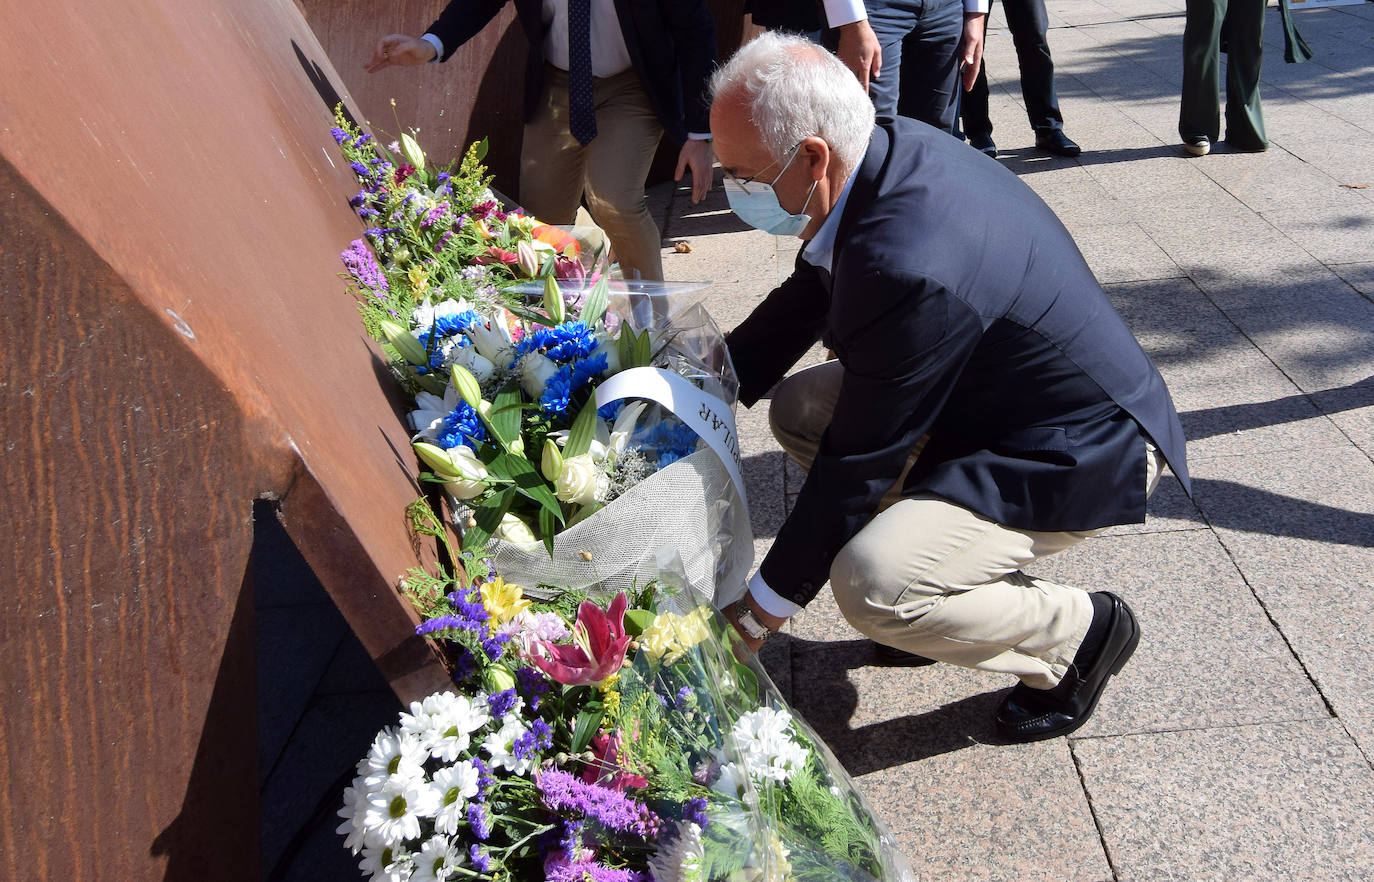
(963, 318)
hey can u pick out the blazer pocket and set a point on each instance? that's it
(1049, 444)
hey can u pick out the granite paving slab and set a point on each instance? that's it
(1281, 802)
(1300, 528)
(1360, 275)
(1208, 654)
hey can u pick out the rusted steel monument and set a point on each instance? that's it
(178, 343)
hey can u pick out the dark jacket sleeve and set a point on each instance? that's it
(778, 332)
(694, 35)
(903, 351)
(460, 21)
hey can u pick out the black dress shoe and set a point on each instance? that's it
(891, 655)
(1036, 714)
(1056, 142)
(983, 143)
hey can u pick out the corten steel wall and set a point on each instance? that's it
(477, 93)
(177, 342)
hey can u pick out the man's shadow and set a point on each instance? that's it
(821, 691)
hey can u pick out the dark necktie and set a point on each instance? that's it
(581, 112)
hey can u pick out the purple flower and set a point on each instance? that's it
(360, 170)
(564, 792)
(502, 703)
(478, 821)
(683, 696)
(562, 870)
(480, 861)
(339, 134)
(485, 779)
(363, 267)
(531, 684)
(694, 810)
(572, 836)
(539, 737)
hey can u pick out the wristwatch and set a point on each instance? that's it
(750, 624)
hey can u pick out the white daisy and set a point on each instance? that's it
(444, 723)
(394, 810)
(501, 746)
(355, 806)
(438, 860)
(385, 863)
(393, 754)
(456, 785)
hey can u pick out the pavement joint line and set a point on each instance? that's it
(1220, 727)
(1092, 810)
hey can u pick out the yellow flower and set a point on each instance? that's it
(418, 280)
(503, 601)
(670, 635)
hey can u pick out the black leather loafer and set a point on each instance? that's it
(1056, 142)
(1036, 714)
(983, 143)
(899, 658)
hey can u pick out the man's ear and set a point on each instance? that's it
(817, 153)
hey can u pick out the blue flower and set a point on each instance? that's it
(462, 427)
(557, 392)
(588, 369)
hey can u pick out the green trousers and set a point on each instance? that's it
(1240, 23)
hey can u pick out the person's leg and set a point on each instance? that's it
(800, 411)
(1200, 107)
(891, 21)
(929, 78)
(1029, 25)
(618, 161)
(551, 159)
(933, 578)
(1243, 28)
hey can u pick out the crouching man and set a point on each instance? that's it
(963, 318)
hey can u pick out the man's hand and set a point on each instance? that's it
(771, 622)
(971, 46)
(859, 50)
(696, 155)
(399, 50)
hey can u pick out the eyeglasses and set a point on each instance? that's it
(743, 183)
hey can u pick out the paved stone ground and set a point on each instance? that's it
(1238, 742)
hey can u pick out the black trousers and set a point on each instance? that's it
(1029, 26)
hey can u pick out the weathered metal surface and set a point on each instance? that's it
(178, 342)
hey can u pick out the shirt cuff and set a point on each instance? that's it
(439, 45)
(698, 136)
(972, 7)
(843, 12)
(769, 601)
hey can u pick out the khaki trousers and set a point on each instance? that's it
(556, 171)
(933, 578)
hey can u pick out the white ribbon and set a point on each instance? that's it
(706, 414)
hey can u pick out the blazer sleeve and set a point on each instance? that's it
(460, 21)
(778, 332)
(693, 32)
(901, 360)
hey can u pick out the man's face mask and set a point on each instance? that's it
(757, 205)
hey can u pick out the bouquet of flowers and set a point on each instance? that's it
(504, 331)
(606, 738)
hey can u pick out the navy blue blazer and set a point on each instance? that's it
(672, 45)
(960, 307)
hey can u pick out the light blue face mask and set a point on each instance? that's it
(757, 205)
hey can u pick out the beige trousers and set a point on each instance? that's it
(933, 578)
(556, 171)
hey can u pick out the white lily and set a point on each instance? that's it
(493, 339)
(474, 473)
(430, 411)
(474, 361)
(623, 427)
(427, 313)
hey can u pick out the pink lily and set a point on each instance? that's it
(604, 771)
(597, 650)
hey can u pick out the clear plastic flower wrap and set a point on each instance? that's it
(665, 448)
(611, 736)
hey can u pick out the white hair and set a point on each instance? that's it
(796, 89)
